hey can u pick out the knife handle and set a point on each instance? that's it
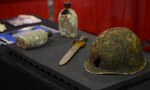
(80, 42)
(83, 38)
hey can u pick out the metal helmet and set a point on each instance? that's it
(116, 51)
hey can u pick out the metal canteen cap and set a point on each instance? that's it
(116, 51)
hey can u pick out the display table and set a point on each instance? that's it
(42, 63)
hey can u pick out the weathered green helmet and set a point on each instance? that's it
(116, 51)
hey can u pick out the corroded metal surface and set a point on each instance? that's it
(116, 51)
(32, 39)
(68, 23)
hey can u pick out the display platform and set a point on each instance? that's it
(47, 57)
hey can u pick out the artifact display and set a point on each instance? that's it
(76, 45)
(68, 22)
(32, 39)
(116, 51)
(47, 57)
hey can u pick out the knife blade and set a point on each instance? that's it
(77, 44)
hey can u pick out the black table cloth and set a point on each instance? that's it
(44, 61)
